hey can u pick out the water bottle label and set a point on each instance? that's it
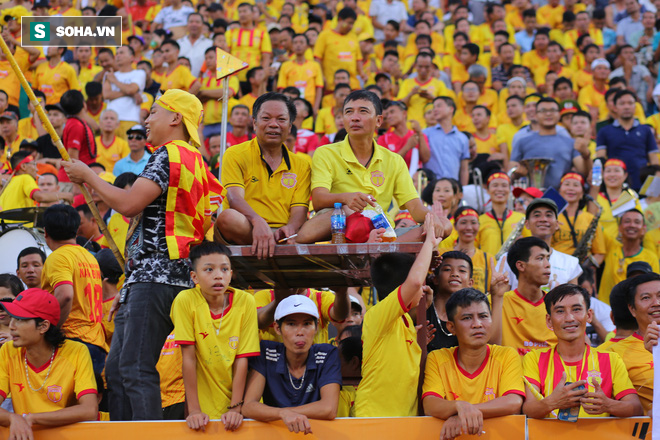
(338, 223)
(380, 221)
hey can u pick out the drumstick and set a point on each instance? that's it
(60, 147)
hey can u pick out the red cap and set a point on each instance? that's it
(34, 303)
(531, 191)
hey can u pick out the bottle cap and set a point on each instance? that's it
(337, 205)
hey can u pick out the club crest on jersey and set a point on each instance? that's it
(489, 393)
(595, 377)
(54, 393)
(377, 178)
(233, 342)
(289, 180)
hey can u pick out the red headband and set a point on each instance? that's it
(467, 213)
(27, 159)
(404, 215)
(615, 163)
(498, 175)
(574, 176)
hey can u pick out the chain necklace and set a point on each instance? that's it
(302, 380)
(222, 315)
(437, 315)
(27, 375)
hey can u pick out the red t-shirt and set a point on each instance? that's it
(394, 143)
(306, 141)
(233, 140)
(139, 12)
(74, 137)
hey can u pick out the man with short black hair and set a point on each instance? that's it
(29, 264)
(285, 368)
(358, 173)
(628, 140)
(249, 217)
(121, 87)
(572, 374)
(139, 156)
(195, 43)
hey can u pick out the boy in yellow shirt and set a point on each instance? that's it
(475, 379)
(110, 147)
(216, 327)
(391, 354)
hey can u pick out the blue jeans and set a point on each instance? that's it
(141, 327)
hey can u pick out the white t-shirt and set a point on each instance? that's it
(170, 17)
(125, 106)
(563, 268)
(194, 52)
(384, 11)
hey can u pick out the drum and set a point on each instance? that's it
(13, 241)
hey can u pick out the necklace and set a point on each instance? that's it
(27, 375)
(437, 315)
(302, 379)
(222, 315)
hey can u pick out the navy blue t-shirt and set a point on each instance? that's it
(323, 368)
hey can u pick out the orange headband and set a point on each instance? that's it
(467, 213)
(616, 163)
(498, 176)
(574, 176)
(404, 215)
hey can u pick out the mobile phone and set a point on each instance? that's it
(570, 414)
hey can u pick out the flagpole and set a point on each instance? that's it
(223, 127)
(60, 147)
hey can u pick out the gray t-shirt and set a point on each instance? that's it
(557, 147)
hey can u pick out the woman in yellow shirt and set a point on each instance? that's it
(448, 193)
(574, 221)
(615, 175)
(466, 226)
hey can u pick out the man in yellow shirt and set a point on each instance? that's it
(176, 76)
(474, 378)
(359, 173)
(619, 255)
(572, 374)
(70, 393)
(417, 92)
(110, 147)
(267, 187)
(521, 311)
(505, 132)
(642, 295)
(339, 49)
(87, 69)
(303, 74)
(22, 190)
(550, 14)
(389, 338)
(9, 131)
(55, 76)
(592, 96)
(249, 43)
(325, 120)
(73, 276)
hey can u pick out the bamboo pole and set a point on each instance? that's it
(60, 147)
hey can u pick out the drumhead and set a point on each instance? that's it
(13, 242)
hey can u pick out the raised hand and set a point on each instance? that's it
(499, 282)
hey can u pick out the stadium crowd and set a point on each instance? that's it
(517, 141)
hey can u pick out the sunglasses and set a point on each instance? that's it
(138, 137)
(7, 300)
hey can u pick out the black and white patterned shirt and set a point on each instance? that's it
(147, 259)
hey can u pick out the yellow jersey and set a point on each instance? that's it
(499, 375)
(179, 78)
(564, 241)
(9, 81)
(523, 324)
(249, 46)
(74, 265)
(336, 168)
(535, 62)
(390, 351)
(616, 265)
(639, 363)
(493, 232)
(108, 155)
(170, 369)
(213, 107)
(27, 129)
(118, 228)
(271, 193)
(218, 341)
(325, 121)
(487, 145)
(589, 96)
(108, 326)
(550, 16)
(416, 103)
(19, 193)
(305, 77)
(505, 133)
(67, 379)
(544, 368)
(336, 51)
(54, 81)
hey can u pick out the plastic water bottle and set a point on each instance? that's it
(338, 225)
(597, 173)
(380, 220)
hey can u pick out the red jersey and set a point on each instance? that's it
(306, 141)
(395, 143)
(138, 12)
(79, 136)
(233, 140)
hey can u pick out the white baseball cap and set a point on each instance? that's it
(296, 304)
(599, 62)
